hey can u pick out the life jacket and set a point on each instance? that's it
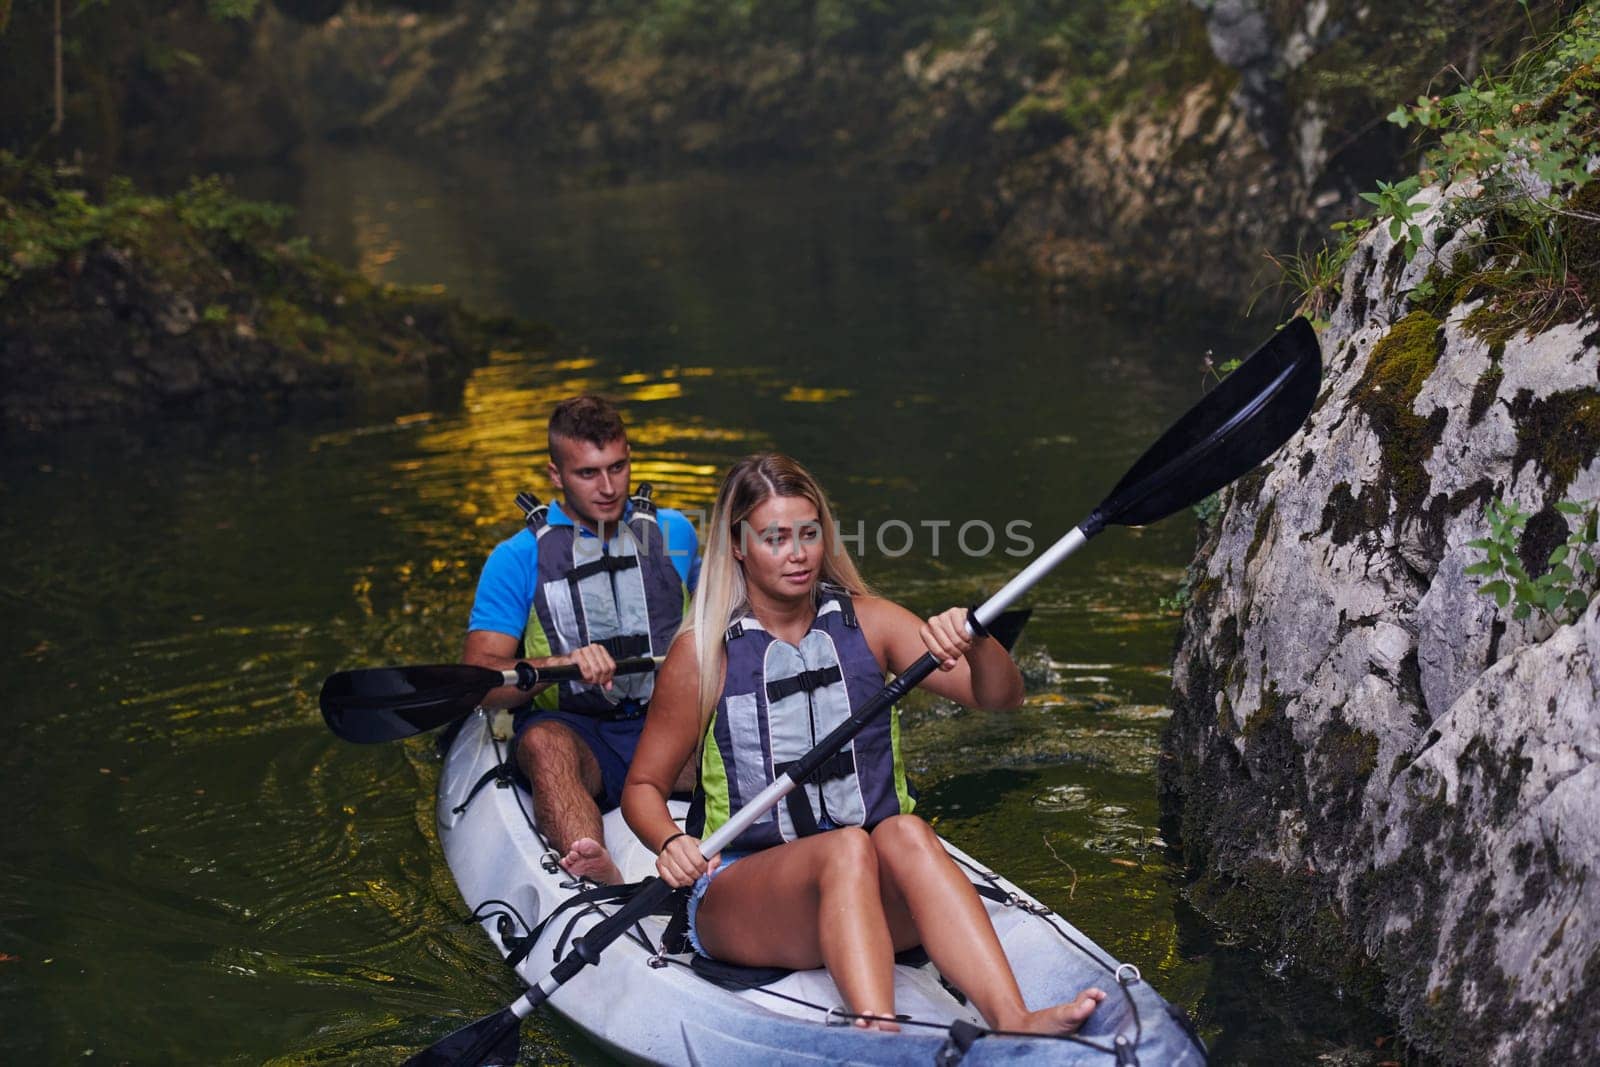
(623, 593)
(778, 701)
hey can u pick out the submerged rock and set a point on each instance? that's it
(1368, 759)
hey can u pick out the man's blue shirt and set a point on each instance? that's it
(510, 577)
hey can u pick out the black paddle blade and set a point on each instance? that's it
(388, 703)
(1241, 422)
(493, 1041)
(1007, 626)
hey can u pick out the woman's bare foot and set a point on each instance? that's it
(589, 859)
(1061, 1019)
(872, 1021)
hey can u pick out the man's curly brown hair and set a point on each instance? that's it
(585, 418)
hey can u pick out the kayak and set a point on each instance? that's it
(646, 1004)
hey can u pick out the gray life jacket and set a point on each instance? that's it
(623, 593)
(778, 701)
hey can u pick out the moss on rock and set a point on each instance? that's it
(1271, 706)
(1584, 81)
(1259, 535)
(1581, 236)
(1399, 365)
(1488, 386)
(1561, 432)
(1345, 516)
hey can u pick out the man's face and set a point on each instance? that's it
(593, 479)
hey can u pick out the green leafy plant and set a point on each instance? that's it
(1394, 203)
(1563, 591)
(1178, 602)
(209, 206)
(45, 219)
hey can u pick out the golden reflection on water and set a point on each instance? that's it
(800, 395)
(496, 446)
(657, 391)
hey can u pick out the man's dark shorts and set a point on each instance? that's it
(611, 740)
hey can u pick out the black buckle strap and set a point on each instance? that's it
(606, 564)
(800, 813)
(841, 764)
(804, 682)
(626, 646)
(992, 892)
(675, 938)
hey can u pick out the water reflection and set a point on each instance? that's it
(201, 873)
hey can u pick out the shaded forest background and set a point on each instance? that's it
(1084, 142)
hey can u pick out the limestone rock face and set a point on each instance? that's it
(1406, 775)
(1189, 194)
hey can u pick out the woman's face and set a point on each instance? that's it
(780, 547)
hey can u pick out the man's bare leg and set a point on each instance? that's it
(566, 778)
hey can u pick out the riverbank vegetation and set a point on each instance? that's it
(127, 304)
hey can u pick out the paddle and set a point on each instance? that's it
(1233, 428)
(1007, 626)
(388, 703)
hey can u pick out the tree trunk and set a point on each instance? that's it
(61, 109)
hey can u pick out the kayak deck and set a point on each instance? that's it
(650, 1006)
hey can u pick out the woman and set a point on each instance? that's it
(783, 639)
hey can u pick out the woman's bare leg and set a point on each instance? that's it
(814, 902)
(922, 884)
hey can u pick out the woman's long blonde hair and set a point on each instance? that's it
(721, 597)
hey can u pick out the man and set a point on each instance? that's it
(595, 578)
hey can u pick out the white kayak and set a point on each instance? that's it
(647, 1005)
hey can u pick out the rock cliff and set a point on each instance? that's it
(1370, 762)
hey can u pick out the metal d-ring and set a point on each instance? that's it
(1137, 977)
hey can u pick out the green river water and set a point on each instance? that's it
(198, 872)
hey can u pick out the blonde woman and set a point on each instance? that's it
(783, 641)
